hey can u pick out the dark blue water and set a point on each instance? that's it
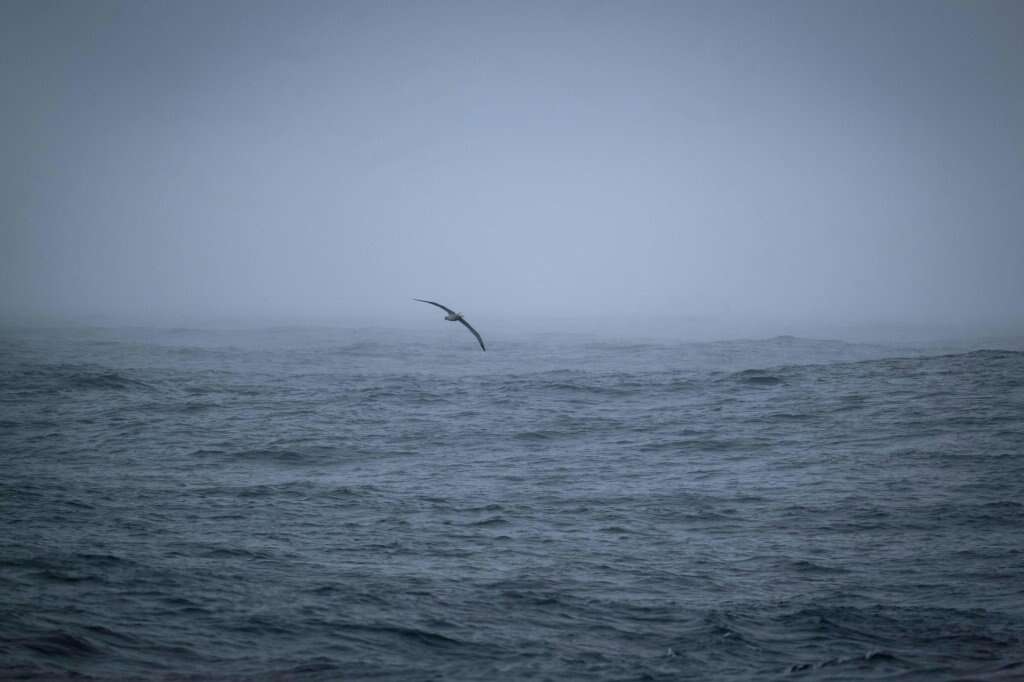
(325, 504)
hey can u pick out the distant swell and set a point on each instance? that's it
(64, 377)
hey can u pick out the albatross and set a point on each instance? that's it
(453, 316)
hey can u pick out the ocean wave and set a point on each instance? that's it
(863, 662)
(407, 634)
(298, 455)
(62, 644)
(103, 380)
(757, 377)
(490, 522)
(65, 377)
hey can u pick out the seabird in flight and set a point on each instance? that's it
(453, 316)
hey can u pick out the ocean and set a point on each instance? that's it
(322, 504)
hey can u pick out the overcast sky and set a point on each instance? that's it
(775, 161)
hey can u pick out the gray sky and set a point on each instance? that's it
(770, 161)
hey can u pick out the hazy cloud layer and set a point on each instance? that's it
(766, 161)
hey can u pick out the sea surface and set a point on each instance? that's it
(322, 504)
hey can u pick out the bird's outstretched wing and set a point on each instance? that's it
(475, 333)
(449, 310)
